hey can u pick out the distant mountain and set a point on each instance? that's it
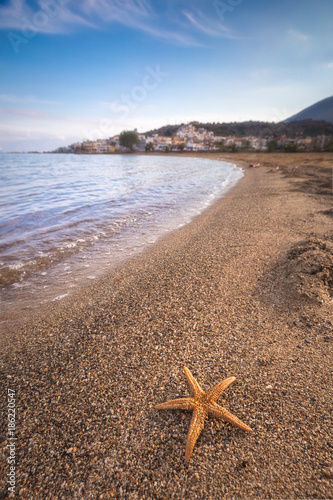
(322, 110)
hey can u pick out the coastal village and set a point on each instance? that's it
(193, 138)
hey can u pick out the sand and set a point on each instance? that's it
(244, 290)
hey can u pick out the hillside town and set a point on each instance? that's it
(193, 138)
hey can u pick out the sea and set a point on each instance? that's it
(67, 219)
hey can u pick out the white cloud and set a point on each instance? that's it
(260, 74)
(26, 99)
(32, 113)
(180, 27)
(117, 10)
(296, 43)
(48, 17)
(201, 23)
(8, 98)
(11, 15)
(298, 36)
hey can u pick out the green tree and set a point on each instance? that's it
(329, 146)
(290, 147)
(128, 139)
(220, 145)
(181, 146)
(232, 148)
(272, 146)
(246, 146)
(149, 146)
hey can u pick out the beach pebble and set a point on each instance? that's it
(90, 369)
(328, 472)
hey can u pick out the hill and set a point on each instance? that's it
(321, 110)
(291, 130)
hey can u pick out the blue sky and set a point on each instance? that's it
(73, 70)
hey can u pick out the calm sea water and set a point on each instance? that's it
(66, 218)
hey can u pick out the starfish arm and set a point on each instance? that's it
(197, 423)
(197, 391)
(214, 393)
(176, 404)
(220, 412)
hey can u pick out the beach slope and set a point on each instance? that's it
(245, 291)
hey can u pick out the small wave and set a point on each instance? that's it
(16, 267)
(59, 297)
(71, 245)
(90, 214)
(20, 285)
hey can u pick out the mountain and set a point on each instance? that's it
(321, 110)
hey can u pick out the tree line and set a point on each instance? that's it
(292, 130)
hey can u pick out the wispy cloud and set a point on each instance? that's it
(296, 43)
(57, 18)
(124, 11)
(11, 15)
(26, 99)
(141, 15)
(201, 23)
(31, 113)
(298, 36)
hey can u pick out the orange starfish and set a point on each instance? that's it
(202, 403)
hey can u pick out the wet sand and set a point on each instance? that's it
(244, 290)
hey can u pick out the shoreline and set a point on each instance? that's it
(26, 288)
(220, 296)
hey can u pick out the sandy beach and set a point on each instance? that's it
(244, 290)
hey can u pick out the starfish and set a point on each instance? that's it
(202, 403)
